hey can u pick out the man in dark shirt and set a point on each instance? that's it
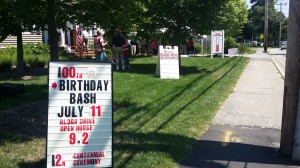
(117, 47)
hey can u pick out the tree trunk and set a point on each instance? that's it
(20, 57)
(292, 81)
(52, 29)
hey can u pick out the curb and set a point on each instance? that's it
(278, 67)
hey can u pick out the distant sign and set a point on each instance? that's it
(217, 42)
(233, 51)
(168, 66)
(79, 114)
(261, 36)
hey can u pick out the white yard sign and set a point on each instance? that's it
(217, 42)
(79, 114)
(169, 62)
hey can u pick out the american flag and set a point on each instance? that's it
(79, 40)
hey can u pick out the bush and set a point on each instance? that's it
(229, 43)
(198, 48)
(36, 61)
(36, 48)
(35, 55)
(5, 63)
(244, 49)
(8, 51)
(108, 53)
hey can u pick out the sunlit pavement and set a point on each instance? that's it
(246, 130)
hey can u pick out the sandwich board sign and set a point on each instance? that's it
(79, 131)
(217, 42)
(168, 62)
(233, 51)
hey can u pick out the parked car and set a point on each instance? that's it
(283, 45)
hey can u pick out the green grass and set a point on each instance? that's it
(160, 120)
(157, 121)
(35, 89)
(21, 151)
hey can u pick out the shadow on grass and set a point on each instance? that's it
(209, 153)
(170, 98)
(31, 93)
(13, 74)
(174, 145)
(133, 143)
(183, 107)
(26, 120)
(39, 164)
(151, 69)
(143, 69)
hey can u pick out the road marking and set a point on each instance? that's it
(227, 136)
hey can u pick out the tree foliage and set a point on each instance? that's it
(15, 19)
(255, 25)
(178, 18)
(232, 17)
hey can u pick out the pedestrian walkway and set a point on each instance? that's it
(245, 133)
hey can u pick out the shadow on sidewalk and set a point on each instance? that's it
(214, 154)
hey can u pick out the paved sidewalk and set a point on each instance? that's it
(246, 131)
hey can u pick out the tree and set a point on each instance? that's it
(13, 21)
(232, 17)
(52, 29)
(181, 18)
(106, 14)
(256, 21)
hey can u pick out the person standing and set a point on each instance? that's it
(133, 47)
(190, 46)
(99, 46)
(85, 41)
(144, 47)
(117, 47)
(154, 46)
(126, 51)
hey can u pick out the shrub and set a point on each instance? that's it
(35, 55)
(244, 49)
(198, 48)
(229, 43)
(5, 63)
(8, 51)
(108, 53)
(36, 48)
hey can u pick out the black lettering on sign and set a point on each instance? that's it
(80, 98)
(62, 86)
(70, 111)
(83, 85)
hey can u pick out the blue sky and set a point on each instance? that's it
(285, 8)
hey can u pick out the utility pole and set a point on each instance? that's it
(290, 141)
(280, 20)
(266, 26)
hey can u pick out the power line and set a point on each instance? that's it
(280, 20)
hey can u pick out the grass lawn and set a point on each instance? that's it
(156, 121)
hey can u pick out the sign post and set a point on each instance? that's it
(168, 62)
(79, 114)
(217, 42)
